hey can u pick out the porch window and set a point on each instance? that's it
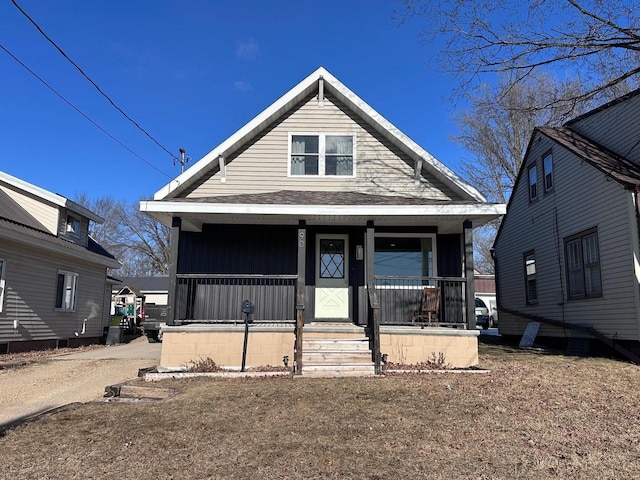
(331, 258)
(400, 256)
(531, 289)
(321, 155)
(582, 258)
(547, 169)
(1, 284)
(66, 290)
(533, 183)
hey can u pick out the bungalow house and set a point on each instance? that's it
(54, 289)
(568, 250)
(345, 235)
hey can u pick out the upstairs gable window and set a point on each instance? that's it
(321, 155)
(73, 225)
(533, 183)
(547, 165)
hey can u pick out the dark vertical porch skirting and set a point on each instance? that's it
(373, 295)
(300, 289)
(176, 224)
(468, 273)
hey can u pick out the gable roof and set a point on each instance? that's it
(610, 163)
(49, 197)
(303, 89)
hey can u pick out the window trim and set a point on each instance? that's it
(60, 294)
(528, 299)
(532, 198)
(580, 236)
(322, 136)
(548, 155)
(3, 268)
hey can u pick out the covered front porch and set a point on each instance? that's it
(405, 288)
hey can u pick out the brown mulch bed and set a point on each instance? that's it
(534, 415)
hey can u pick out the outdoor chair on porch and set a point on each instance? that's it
(429, 306)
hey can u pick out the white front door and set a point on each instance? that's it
(332, 276)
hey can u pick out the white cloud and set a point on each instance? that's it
(242, 85)
(247, 49)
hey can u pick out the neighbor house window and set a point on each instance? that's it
(582, 254)
(547, 168)
(66, 291)
(531, 290)
(73, 225)
(533, 183)
(408, 255)
(322, 155)
(1, 284)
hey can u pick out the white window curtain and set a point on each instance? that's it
(339, 151)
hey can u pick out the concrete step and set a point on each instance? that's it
(335, 357)
(360, 370)
(317, 344)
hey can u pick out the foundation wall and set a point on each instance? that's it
(182, 345)
(410, 346)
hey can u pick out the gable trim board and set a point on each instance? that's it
(305, 88)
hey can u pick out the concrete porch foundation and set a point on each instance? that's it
(268, 344)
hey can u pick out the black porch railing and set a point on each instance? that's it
(436, 301)
(218, 297)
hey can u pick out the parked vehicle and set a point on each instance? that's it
(482, 314)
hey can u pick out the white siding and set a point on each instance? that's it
(261, 166)
(31, 276)
(29, 210)
(616, 128)
(582, 198)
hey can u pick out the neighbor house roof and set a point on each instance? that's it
(24, 233)
(303, 89)
(49, 197)
(147, 284)
(613, 165)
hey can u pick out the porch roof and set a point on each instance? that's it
(337, 208)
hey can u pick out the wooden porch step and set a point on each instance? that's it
(313, 358)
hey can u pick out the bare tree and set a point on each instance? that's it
(597, 41)
(495, 130)
(138, 241)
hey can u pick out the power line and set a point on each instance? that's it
(81, 112)
(62, 52)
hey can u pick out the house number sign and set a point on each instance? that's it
(300, 239)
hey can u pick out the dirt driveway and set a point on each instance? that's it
(77, 377)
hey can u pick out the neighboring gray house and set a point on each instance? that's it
(54, 289)
(568, 248)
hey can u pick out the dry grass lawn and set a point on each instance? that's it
(534, 416)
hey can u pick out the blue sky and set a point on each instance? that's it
(191, 73)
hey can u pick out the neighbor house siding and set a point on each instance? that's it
(261, 166)
(610, 128)
(45, 215)
(31, 276)
(582, 198)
